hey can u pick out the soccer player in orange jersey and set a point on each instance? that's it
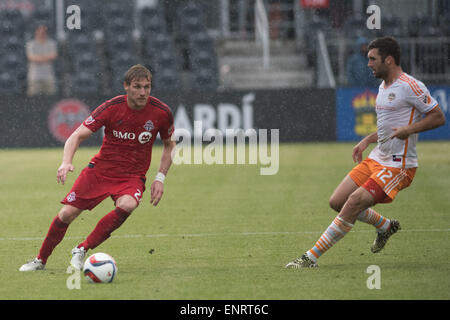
(404, 108)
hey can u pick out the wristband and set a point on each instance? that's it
(160, 177)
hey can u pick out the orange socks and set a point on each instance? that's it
(372, 217)
(335, 232)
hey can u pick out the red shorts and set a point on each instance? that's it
(382, 182)
(91, 188)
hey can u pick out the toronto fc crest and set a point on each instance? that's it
(149, 125)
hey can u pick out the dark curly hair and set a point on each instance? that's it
(387, 46)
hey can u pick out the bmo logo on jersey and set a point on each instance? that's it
(124, 135)
(143, 137)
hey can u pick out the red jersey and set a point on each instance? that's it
(129, 135)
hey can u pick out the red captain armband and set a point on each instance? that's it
(379, 196)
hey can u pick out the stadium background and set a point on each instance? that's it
(210, 53)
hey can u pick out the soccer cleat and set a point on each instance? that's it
(33, 265)
(383, 237)
(78, 255)
(302, 262)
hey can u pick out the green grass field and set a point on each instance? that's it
(226, 232)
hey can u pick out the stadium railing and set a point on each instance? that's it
(325, 76)
(237, 19)
(262, 31)
(425, 58)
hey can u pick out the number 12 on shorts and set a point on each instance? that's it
(384, 174)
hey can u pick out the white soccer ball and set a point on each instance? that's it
(100, 267)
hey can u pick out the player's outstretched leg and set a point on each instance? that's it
(54, 236)
(335, 231)
(358, 201)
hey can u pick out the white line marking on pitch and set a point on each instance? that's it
(163, 235)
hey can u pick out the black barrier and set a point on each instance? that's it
(300, 115)
(27, 122)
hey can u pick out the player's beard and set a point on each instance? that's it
(381, 73)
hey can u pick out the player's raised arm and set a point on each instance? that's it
(70, 147)
(157, 187)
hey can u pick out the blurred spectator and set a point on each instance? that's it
(358, 73)
(275, 17)
(245, 17)
(41, 52)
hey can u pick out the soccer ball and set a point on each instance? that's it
(100, 267)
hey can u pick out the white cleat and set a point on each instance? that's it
(77, 260)
(33, 265)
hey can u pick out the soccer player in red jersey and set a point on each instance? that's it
(131, 122)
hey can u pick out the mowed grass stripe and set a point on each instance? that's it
(200, 235)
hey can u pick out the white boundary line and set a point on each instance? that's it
(204, 235)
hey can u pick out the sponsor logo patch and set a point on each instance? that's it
(72, 197)
(144, 137)
(89, 121)
(426, 99)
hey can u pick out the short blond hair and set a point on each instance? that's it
(137, 71)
